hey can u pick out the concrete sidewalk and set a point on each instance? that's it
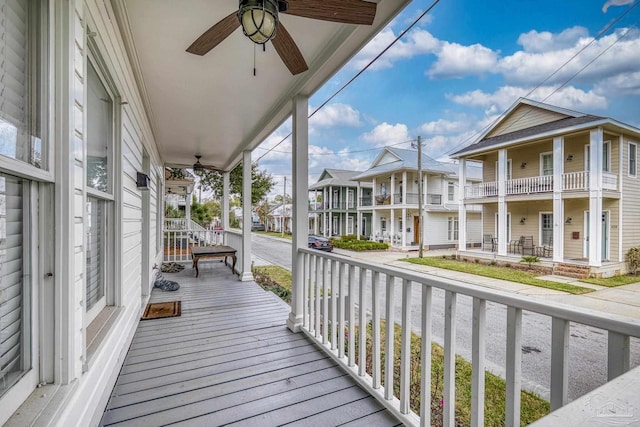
(622, 300)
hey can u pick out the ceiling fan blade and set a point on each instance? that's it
(211, 168)
(214, 35)
(358, 12)
(288, 51)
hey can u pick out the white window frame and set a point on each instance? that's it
(606, 161)
(548, 154)
(509, 170)
(453, 228)
(541, 241)
(350, 229)
(451, 191)
(633, 162)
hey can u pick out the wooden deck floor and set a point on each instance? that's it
(229, 359)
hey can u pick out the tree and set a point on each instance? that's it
(200, 213)
(279, 198)
(261, 182)
(262, 209)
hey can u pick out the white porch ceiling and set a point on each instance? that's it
(212, 105)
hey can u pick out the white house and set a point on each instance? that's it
(394, 203)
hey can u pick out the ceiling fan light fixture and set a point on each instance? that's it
(259, 19)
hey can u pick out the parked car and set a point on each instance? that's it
(321, 243)
(256, 226)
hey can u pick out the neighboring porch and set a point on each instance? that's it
(230, 358)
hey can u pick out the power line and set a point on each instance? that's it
(365, 68)
(596, 37)
(340, 153)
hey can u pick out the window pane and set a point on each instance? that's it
(547, 229)
(99, 132)
(547, 164)
(632, 159)
(13, 343)
(19, 101)
(95, 251)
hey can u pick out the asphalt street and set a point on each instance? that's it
(587, 348)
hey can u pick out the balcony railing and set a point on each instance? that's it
(342, 295)
(412, 199)
(573, 181)
(434, 199)
(366, 201)
(335, 205)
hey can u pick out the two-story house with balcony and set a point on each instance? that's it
(394, 202)
(336, 212)
(559, 184)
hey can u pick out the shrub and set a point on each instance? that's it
(348, 237)
(633, 260)
(529, 260)
(360, 245)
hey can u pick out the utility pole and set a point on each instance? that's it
(284, 199)
(420, 227)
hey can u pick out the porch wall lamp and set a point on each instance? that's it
(259, 18)
(523, 220)
(568, 221)
(523, 165)
(569, 157)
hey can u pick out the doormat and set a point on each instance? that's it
(159, 310)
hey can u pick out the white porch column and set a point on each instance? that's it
(502, 204)
(359, 231)
(558, 204)
(300, 172)
(405, 184)
(425, 189)
(392, 214)
(187, 208)
(596, 144)
(246, 275)
(226, 184)
(462, 210)
(405, 224)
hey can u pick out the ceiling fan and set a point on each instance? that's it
(199, 167)
(259, 21)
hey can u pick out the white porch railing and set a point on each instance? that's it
(180, 234)
(540, 184)
(535, 184)
(483, 189)
(377, 292)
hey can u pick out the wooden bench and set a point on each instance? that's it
(218, 251)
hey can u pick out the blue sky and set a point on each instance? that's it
(463, 65)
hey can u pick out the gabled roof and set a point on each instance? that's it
(336, 178)
(528, 119)
(386, 162)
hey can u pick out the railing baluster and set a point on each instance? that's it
(426, 324)
(514, 359)
(618, 355)
(325, 301)
(352, 316)
(318, 296)
(362, 311)
(559, 362)
(341, 322)
(335, 267)
(478, 362)
(375, 310)
(312, 294)
(306, 281)
(390, 337)
(449, 395)
(405, 348)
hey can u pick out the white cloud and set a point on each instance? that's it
(456, 60)
(386, 134)
(500, 100)
(443, 126)
(416, 42)
(620, 85)
(333, 115)
(544, 41)
(610, 3)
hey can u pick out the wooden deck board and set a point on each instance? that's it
(229, 358)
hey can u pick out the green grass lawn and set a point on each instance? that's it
(494, 272)
(612, 282)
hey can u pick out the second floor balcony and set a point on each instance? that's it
(574, 181)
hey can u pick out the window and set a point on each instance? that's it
(508, 170)
(20, 92)
(383, 223)
(99, 180)
(632, 158)
(451, 190)
(606, 156)
(15, 340)
(350, 225)
(546, 164)
(452, 228)
(546, 229)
